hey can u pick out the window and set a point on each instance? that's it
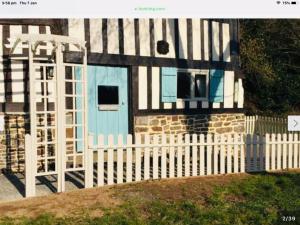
(192, 84)
(200, 86)
(183, 85)
(108, 97)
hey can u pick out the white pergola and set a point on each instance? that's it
(56, 45)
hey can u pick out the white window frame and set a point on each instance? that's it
(193, 73)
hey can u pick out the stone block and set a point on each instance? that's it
(223, 130)
(141, 120)
(156, 129)
(154, 122)
(163, 122)
(174, 118)
(141, 129)
(239, 129)
(217, 124)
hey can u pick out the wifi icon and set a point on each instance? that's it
(278, 2)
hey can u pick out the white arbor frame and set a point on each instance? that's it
(34, 42)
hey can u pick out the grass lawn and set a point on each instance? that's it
(243, 199)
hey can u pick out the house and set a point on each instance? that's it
(121, 76)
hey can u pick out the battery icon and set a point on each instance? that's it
(294, 3)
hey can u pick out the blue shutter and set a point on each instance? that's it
(168, 84)
(216, 86)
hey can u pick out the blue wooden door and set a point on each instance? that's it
(107, 101)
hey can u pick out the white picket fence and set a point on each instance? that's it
(159, 157)
(262, 125)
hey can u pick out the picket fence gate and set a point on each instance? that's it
(169, 156)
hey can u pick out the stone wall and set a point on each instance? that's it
(12, 141)
(13, 138)
(201, 123)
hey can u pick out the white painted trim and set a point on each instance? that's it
(196, 39)
(167, 105)
(144, 35)
(33, 121)
(158, 36)
(1, 41)
(129, 37)
(205, 104)
(228, 89)
(180, 103)
(34, 30)
(142, 87)
(171, 37)
(240, 94)
(112, 36)
(96, 35)
(30, 172)
(216, 105)
(2, 85)
(206, 37)
(226, 42)
(14, 31)
(193, 104)
(155, 87)
(17, 76)
(76, 30)
(182, 26)
(215, 42)
(49, 46)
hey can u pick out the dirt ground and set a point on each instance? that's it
(96, 200)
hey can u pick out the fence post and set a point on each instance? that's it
(194, 155)
(235, 153)
(248, 152)
(138, 141)
(255, 140)
(209, 155)
(284, 155)
(216, 152)
(279, 153)
(129, 159)
(222, 154)
(179, 155)
(242, 153)
(164, 156)
(229, 149)
(155, 157)
(295, 150)
(187, 155)
(290, 151)
(147, 158)
(110, 160)
(90, 163)
(267, 157)
(30, 171)
(120, 159)
(261, 152)
(202, 154)
(273, 151)
(172, 155)
(100, 161)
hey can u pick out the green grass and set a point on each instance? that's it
(260, 199)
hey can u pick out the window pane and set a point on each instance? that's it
(108, 95)
(69, 73)
(200, 86)
(183, 85)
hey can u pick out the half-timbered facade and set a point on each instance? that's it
(143, 76)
